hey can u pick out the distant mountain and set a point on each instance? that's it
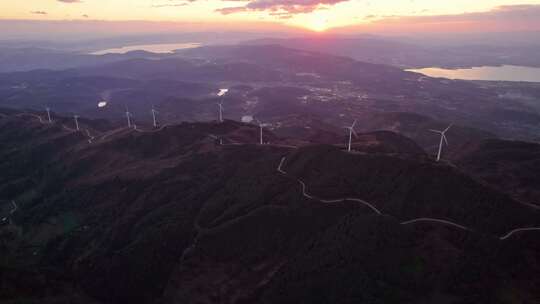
(411, 53)
(373, 50)
(27, 59)
(298, 61)
(198, 212)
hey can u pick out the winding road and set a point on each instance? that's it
(372, 207)
(326, 201)
(68, 128)
(33, 115)
(427, 219)
(509, 234)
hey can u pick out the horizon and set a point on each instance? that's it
(269, 151)
(325, 16)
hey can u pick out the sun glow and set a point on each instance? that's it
(318, 24)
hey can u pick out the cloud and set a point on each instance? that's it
(504, 18)
(281, 15)
(501, 13)
(39, 12)
(290, 7)
(170, 4)
(231, 10)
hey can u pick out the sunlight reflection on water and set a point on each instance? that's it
(492, 73)
(154, 48)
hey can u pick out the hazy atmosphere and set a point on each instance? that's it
(396, 16)
(269, 151)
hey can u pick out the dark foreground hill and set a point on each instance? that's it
(173, 216)
(511, 166)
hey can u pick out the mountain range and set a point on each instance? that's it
(99, 203)
(198, 212)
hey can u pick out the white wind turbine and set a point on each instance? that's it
(48, 114)
(221, 93)
(351, 132)
(128, 117)
(443, 139)
(261, 125)
(76, 118)
(154, 112)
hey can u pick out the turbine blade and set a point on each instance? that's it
(354, 132)
(354, 123)
(445, 140)
(436, 131)
(448, 127)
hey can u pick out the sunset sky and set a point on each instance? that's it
(315, 15)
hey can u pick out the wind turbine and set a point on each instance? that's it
(221, 93)
(351, 132)
(154, 112)
(49, 114)
(128, 116)
(76, 118)
(261, 125)
(443, 139)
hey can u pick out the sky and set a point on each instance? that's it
(315, 15)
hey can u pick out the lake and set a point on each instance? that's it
(494, 73)
(154, 48)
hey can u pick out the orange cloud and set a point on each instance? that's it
(289, 7)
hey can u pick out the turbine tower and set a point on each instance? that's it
(49, 114)
(351, 132)
(261, 125)
(76, 118)
(128, 117)
(221, 93)
(154, 112)
(443, 139)
(220, 116)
